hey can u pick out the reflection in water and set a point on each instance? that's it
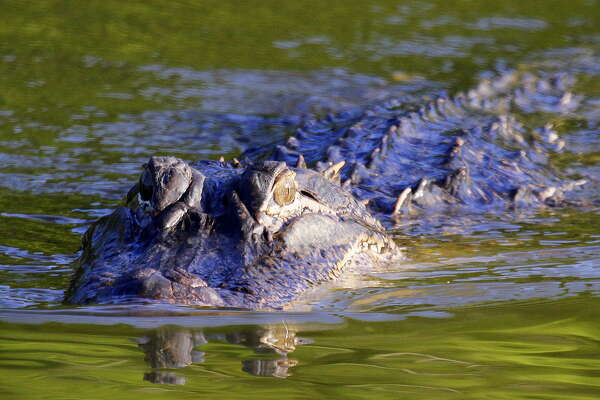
(173, 347)
(277, 339)
(544, 349)
(170, 348)
(277, 368)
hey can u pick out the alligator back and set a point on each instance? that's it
(463, 155)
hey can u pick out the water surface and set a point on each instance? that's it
(508, 308)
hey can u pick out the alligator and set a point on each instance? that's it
(259, 233)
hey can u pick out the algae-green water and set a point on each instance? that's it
(508, 309)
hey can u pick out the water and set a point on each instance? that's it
(507, 309)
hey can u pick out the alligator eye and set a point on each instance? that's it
(284, 188)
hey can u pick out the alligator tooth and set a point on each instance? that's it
(236, 163)
(221, 159)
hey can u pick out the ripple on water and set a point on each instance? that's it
(498, 309)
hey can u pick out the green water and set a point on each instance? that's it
(89, 90)
(478, 352)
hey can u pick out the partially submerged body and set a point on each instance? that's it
(258, 236)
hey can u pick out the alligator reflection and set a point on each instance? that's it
(173, 347)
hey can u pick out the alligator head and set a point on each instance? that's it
(216, 234)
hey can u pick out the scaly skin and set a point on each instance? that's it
(258, 236)
(223, 240)
(468, 154)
